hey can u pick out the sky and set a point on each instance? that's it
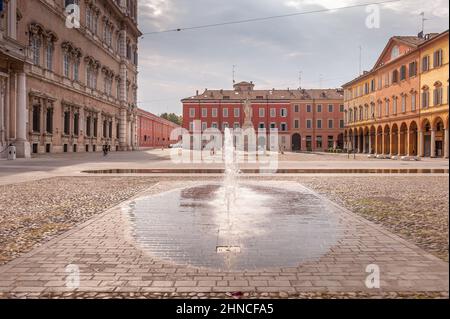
(324, 47)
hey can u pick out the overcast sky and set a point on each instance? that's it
(323, 46)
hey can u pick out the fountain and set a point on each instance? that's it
(235, 225)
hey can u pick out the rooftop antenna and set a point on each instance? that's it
(360, 60)
(300, 79)
(421, 33)
(234, 73)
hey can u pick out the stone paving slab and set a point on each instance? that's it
(110, 261)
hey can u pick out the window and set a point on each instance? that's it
(372, 85)
(296, 108)
(403, 103)
(273, 126)
(204, 112)
(88, 126)
(395, 52)
(76, 71)
(214, 125)
(214, 112)
(49, 121)
(308, 108)
(261, 112)
(283, 127)
(403, 72)
(387, 108)
(36, 49)
(319, 108)
(394, 105)
(225, 125)
(96, 127)
(437, 58)
(341, 108)
(76, 122)
(425, 63)
(273, 112)
(366, 88)
(412, 69)
(225, 112)
(413, 101)
(395, 76)
(296, 124)
(283, 112)
(319, 124)
(204, 126)
(36, 118)
(236, 125)
(308, 123)
(437, 96)
(191, 112)
(66, 122)
(330, 141)
(261, 125)
(49, 63)
(425, 99)
(341, 124)
(237, 112)
(330, 123)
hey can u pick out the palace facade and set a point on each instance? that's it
(63, 88)
(306, 119)
(400, 107)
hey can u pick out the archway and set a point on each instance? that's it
(350, 146)
(426, 129)
(296, 142)
(340, 141)
(379, 140)
(412, 145)
(387, 139)
(394, 146)
(438, 128)
(372, 134)
(361, 140)
(403, 139)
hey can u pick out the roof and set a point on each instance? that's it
(154, 117)
(412, 41)
(274, 94)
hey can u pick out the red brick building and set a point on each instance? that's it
(153, 131)
(307, 120)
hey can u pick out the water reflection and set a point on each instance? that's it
(265, 226)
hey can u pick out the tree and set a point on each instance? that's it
(172, 117)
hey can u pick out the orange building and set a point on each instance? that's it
(400, 108)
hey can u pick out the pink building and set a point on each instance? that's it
(153, 131)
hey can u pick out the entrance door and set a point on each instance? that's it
(427, 146)
(296, 142)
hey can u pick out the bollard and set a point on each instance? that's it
(11, 152)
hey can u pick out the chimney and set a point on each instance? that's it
(197, 92)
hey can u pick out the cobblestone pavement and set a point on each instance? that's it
(112, 264)
(414, 207)
(32, 212)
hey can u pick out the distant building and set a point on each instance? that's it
(68, 89)
(307, 120)
(400, 107)
(153, 131)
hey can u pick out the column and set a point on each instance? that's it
(421, 143)
(407, 141)
(399, 142)
(370, 143)
(446, 143)
(433, 143)
(391, 143)
(2, 111)
(376, 142)
(383, 142)
(12, 19)
(364, 144)
(22, 145)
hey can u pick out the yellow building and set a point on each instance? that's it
(400, 107)
(434, 121)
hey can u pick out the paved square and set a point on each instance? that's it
(110, 261)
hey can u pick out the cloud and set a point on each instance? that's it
(271, 53)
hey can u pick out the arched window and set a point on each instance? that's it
(395, 52)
